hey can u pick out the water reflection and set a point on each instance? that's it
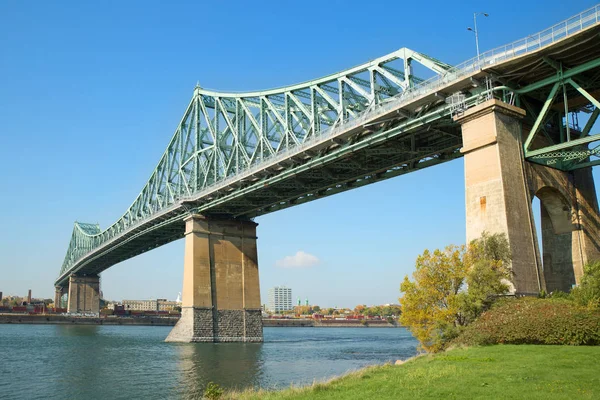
(125, 362)
(230, 365)
(76, 330)
(81, 361)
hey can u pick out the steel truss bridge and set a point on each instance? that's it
(241, 155)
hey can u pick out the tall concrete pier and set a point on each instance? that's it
(221, 294)
(58, 293)
(84, 294)
(500, 186)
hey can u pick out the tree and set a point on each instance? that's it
(429, 303)
(488, 272)
(588, 291)
(451, 288)
(359, 309)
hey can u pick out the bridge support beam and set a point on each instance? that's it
(84, 294)
(497, 195)
(221, 293)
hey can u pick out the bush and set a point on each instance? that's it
(534, 321)
(213, 391)
(588, 292)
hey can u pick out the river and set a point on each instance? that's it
(125, 362)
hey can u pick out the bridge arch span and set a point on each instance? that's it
(569, 233)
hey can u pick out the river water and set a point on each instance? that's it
(125, 362)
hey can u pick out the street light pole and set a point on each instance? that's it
(476, 34)
(474, 30)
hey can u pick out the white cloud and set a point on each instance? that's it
(298, 260)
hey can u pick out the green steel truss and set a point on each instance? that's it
(222, 135)
(246, 154)
(554, 140)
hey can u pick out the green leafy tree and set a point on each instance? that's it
(452, 287)
(430, 303)
(487, 261)
(588, 292)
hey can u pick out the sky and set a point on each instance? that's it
(91, 93)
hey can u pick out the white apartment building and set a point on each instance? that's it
(280, 299)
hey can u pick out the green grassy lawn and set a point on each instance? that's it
(491, 372)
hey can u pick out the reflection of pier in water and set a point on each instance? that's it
(235, 365)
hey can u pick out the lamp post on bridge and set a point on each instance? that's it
(474, 29)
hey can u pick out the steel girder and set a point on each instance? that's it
(563, 145)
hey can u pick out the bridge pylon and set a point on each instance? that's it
(499, 188)
(84, 294)
(221, 293)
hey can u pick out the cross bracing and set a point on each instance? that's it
(240, 155)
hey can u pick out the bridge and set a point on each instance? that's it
(513, 113)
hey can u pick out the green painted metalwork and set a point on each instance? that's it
(229, 146)
(554, 155)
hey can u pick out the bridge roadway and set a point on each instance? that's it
(390, 136)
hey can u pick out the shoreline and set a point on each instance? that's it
(311, 323)
(75, 320)
(49, 319)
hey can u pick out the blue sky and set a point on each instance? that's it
(91, 92)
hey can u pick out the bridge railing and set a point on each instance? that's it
(517, 48)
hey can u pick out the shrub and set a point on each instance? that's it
(588, 292)
(558, 294)
(534, 321)
(213, 391)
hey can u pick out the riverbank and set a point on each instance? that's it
(331, 323)
(73, 320)
(490, 372)
(171, 321)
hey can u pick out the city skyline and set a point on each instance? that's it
(112, 97)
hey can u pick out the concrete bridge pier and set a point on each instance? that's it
(58, 294)
(499, 188)
(570, 223)
(84, 294)
(221, 293)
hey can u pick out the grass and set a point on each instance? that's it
(489, 372)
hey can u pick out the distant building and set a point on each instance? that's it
(280, 299)
(150, 305)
